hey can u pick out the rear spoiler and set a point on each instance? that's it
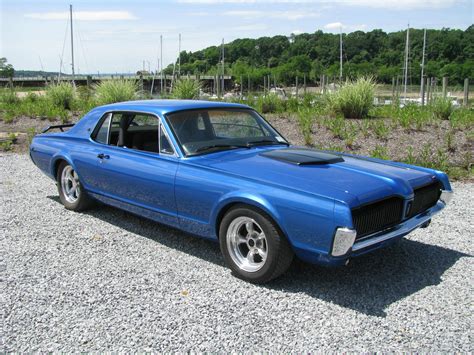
(59, 126)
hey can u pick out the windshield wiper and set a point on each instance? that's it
(220, 146)
(265, 142)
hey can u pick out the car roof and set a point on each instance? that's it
(167, 106)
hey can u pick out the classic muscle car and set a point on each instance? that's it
(220, 171)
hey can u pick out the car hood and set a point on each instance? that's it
(354, 180)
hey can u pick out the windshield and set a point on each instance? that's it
(210, 130)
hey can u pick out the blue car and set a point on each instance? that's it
(220, 171)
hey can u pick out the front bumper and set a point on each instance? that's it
(380, 239)
(375, 241)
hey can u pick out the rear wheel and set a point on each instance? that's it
(253, 246)
(71, 193)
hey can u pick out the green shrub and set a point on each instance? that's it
(117, 90)
(186, 89)
(354, 99)
(442, 108)
(61, 95)
(380, 152)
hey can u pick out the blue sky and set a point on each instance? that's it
(117, 36)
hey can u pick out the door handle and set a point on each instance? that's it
(103, 156)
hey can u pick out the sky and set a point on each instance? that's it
(116, 36)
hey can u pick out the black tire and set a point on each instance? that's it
(82, 202)
(279, 254)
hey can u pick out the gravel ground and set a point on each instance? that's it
(108, 281)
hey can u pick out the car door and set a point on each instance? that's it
(133, 170)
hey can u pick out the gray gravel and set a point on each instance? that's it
(106, 280)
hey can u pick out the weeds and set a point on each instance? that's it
(381, 130)
(442, 108)
(354, 99)
(119, 90)
(380, 152)
(61, 95)
(186, 89)
(305, 120)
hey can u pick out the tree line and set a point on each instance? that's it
(449, 52)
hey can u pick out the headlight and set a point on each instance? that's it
(446, 196)
(343, 241)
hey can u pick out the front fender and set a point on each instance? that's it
(251, 199)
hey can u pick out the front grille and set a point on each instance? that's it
(377, 216)
(425, 198)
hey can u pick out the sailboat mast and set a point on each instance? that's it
(407, 46)
(340, 55)
(223, 67)
(423, 59)
(72, 43)
(161, 62)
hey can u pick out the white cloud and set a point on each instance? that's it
(334, 26)
(287, 15)
(402, 4)
(297, 32)
(84, 15)
(386, 4)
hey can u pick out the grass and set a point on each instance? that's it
(61, 95)
(354, 99)
(305, 120)
(442, 108)
(118, 90)
(186, 89)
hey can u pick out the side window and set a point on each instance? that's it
(165, 145)
(102, 134)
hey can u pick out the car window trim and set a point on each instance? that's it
(160, 123)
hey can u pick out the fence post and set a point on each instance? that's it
(296, 86)
(248, 85)
(445, 86)
(428, 90)
(466, 92)
(141, 82)
(304, 83)
(423, 91)
(393, 89)
(264, 85)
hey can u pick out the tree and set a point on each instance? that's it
(6, 70)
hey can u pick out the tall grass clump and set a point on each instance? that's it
(442, 108)
(305, 119)
(354, 99)
(186, 89)
(270, 103)
(61, 95)
(9, 97)
(117, 90)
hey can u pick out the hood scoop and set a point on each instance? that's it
(300, 156)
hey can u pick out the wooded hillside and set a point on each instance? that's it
(448, 53)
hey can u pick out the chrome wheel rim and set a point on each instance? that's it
(70, 184)
(247, 244)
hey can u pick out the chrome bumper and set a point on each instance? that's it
(405, 227)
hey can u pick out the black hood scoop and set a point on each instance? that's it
(300, 156)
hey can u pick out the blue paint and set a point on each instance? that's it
(307, 201)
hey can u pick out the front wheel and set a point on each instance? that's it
(253, 246)
(71, 193)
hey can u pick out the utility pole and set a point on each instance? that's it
(423, 65)
(72, 44)
(161, 62)
(223, 68)
(407, 47)
(340, 56)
